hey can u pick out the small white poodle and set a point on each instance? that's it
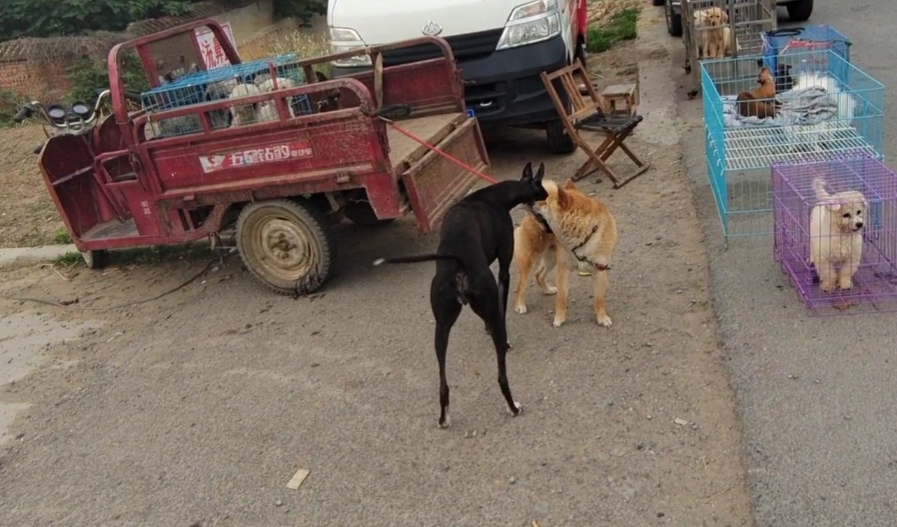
(836, 237)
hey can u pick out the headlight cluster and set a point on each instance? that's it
(346, 39)
(530, 23)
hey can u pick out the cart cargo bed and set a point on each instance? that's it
(432, 129)
(433, 182)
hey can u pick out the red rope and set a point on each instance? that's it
(440, 152)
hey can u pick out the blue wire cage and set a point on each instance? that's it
(830, 110)
(205, 86)
(800, 39)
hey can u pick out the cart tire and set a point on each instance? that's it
(800, 11)
(361, 213)
(559, 142)
(674, 20)
(95, 259)
(288, 245)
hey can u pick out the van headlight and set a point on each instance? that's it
(346, 39)
(530, 23)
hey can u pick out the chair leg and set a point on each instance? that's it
(599, 156)
(635, 159)
(616, 141)
(595, 163)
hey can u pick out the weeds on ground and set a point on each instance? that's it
(62, 237)
(620, 27)
(69, 259)
(10, 104)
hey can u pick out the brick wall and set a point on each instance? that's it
(34, 79)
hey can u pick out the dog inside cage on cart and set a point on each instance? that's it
(247, 79)
(717, 29)
(835, 225)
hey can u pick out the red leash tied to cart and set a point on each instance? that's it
(403, 110)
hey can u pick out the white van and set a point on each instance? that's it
(501, 47)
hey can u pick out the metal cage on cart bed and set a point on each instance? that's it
(200, 87)
(831, 110)
(801, 39)
(749, 18)
(835, 280)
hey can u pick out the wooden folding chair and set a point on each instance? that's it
(590, 114)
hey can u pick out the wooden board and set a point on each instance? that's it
(404, 150)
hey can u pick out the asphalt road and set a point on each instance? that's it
(817, 396)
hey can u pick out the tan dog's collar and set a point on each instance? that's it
(585, 259)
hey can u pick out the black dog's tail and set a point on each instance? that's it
(416, 259)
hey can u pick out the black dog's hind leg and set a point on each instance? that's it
(504, 284)
(487, 307)
(446, 311)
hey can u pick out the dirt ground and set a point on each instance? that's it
(27, 214)
(196, 408)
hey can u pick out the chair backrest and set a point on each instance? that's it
(570, 78)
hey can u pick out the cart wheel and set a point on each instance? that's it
(287, 245)
(95, 259)
(361, 213)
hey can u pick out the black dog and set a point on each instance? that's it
(784, 82)
(475, 232)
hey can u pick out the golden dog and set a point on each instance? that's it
(713, 33)
(583, 236)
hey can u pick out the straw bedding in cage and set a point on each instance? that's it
(842, 257)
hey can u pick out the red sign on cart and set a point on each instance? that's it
(255, 156)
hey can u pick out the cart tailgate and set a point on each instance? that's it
(435, 183)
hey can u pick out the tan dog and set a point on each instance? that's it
(702, 36)
(713, 33)
(836, 237)
(586, 234)
(760, 102)
(727, 44)
(534, 243)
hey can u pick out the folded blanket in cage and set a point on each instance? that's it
(807, 106)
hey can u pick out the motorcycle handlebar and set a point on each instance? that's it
(22, 114)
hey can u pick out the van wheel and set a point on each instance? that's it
(800, 11)
(96, 259)
(288, 245)
(559, 142)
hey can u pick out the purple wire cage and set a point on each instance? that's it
(874, 284)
